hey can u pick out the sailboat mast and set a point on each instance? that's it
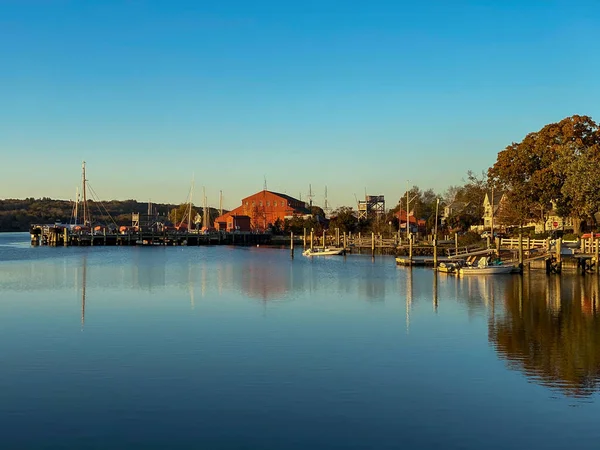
(86, 218)
(76, 214)
(190, 208)
(204, 211)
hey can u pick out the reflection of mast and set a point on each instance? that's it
(435, 291)
(83, 282)
(408, 297)
(191, 287)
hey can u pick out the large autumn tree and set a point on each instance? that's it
(539, 170)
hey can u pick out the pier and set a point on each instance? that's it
(59, 236)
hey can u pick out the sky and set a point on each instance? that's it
(353, 96)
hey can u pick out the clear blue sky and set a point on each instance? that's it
(351, 95)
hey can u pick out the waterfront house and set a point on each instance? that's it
(491, 207)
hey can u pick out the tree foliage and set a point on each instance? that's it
(181, 214)
(345, 219)
(553, 165)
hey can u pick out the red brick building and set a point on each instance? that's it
(264, 209)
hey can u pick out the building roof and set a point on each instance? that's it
(497, 196)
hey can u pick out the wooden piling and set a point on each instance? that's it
(304, 240)
(324, 240)
(345, 241)
(435, 253)
(520, 250)
(337, 237)
(311, 239)
(65, 237)
(410, 250)
(456, 243)
(292, 244)
(372, 244)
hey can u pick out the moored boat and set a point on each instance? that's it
(449, 267)
(328, 251)
(487, 270)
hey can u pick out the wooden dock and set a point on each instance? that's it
(59, 236)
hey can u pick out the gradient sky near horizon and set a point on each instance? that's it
(348, 95)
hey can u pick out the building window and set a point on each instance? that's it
(268, 203)
(260, 203)
(246, 203)
(253, 203)
(275, 204)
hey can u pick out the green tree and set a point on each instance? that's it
(345, 219)
(181, 214)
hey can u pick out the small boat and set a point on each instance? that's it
(486, 267)
(489, 270)
(449, 267)
(328, 251)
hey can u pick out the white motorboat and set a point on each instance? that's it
(328, 251)
(488, 270)
(485, 266)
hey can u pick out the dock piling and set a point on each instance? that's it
(372, 244)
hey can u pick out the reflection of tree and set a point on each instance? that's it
(560, 347)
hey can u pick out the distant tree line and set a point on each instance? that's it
(17, 215)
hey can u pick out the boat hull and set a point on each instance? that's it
(489, 270)
(326, 252)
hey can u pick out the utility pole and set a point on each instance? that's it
(407, 213)
(492, 218)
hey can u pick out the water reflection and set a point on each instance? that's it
(550, 329)
(83, 288)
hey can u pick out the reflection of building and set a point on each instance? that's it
(263, 281)
(148, 272)
(557, 346)
(264, 209)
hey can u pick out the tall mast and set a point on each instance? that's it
(86, 217)
(190, 210)
(76, 214)
(204, 209)
(327, 208)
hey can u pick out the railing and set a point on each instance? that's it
(513, 243)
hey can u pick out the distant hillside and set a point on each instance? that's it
(17, 215)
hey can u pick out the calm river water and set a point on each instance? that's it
(245, 348)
